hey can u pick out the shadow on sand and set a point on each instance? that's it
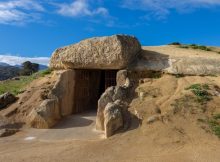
(77, 120)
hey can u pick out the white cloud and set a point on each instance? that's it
(19, 11)
(17, 60)
(162, 8)
(80, 8)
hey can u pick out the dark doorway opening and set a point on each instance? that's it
(89, 86)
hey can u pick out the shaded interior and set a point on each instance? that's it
(89, 86)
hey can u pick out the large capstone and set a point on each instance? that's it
(114, 52)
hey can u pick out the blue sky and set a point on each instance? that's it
(33, 29)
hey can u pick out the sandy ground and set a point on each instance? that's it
(178, 139)
(176, 51)
(74, 127)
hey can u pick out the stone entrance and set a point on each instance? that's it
(89, 85)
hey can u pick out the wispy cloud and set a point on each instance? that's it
(80, 8)
(20, 11)
(162, 8)
(16, 60)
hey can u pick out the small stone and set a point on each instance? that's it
(6, 99)
(157, 110)
(152, 119)
(7, 132)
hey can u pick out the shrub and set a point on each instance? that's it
(175, 43)
(29, 68)
(195, 46)
(184, 46)
(215, 127)
(200, 91)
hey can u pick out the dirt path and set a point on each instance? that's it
(74, 127)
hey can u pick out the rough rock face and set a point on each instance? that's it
(6, 99)
(114, 52)
(177, 61)
(63, 91)
(45, 116)
(113, 119)
(111, 94)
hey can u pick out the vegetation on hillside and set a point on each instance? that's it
(29, 68)
(17, 86)
(7, 72)
(201, 92)
(214, 124)
(194, 46)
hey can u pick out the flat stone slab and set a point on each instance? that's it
(175, 60)
(113, 52)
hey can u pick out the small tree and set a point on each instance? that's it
(29, 68)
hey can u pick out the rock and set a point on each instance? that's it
(157, 110)
(120, 93)
(178, 61)
(6, 99)
(45, 116)
(152, 119)
(111, 94)
(113, 119)
(114, 52)
(7, 132)
(102, 102)
(125, 113)
(122, 78)
(63, 91)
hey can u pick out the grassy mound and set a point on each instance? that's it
(17, 86)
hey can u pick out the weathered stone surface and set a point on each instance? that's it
(45, 116)
(177, 61)
(110, 95)
(122, 78)
(6, 99)
(114, 52)
(102, 102)
(113, 119)
(153, 118)
(63, 91)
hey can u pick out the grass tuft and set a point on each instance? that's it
(195, 46)
(215, 126)
(200, 91)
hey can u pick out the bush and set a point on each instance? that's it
(184, 46)
(195, 46)
(215, 126)
(175, 43)
(200, 91)
(29, 68)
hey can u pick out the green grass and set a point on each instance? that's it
(195, 46)
(200, 91)
(17, 86)
(215, 126)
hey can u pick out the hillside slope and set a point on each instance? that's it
(174, 118)
(180, 133)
